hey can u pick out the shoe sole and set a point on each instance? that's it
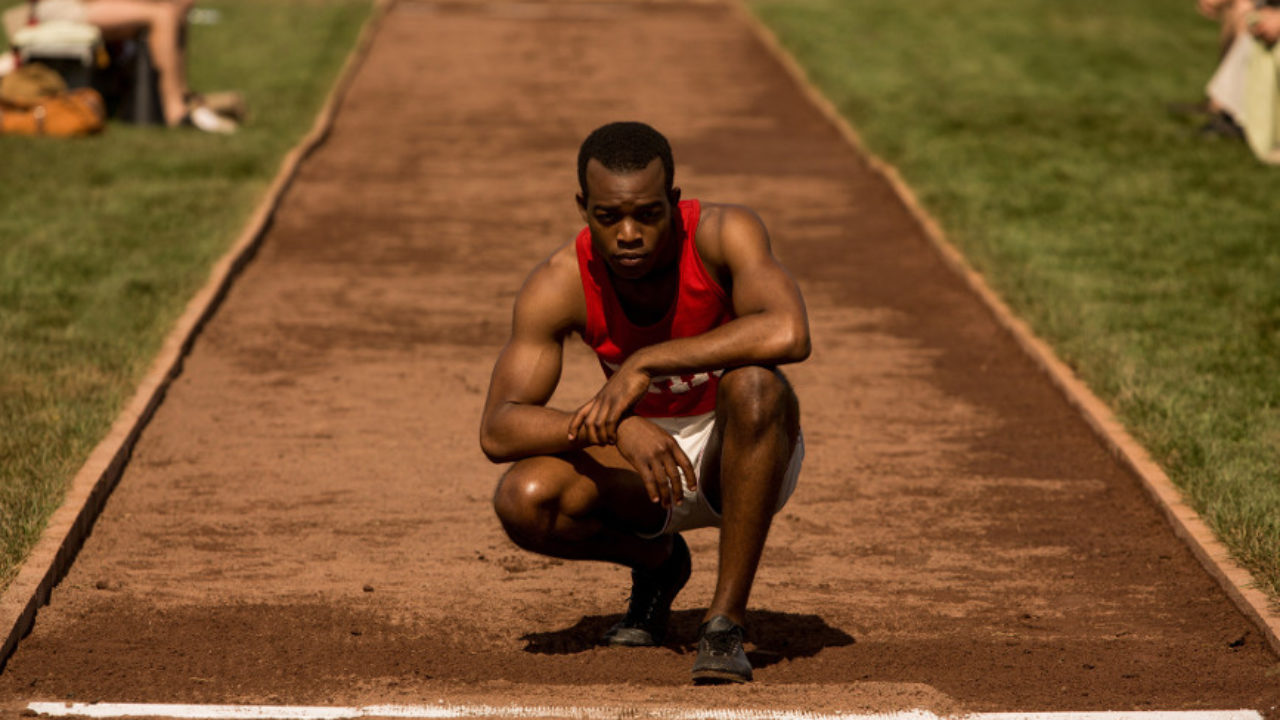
(718, 677)
(619, 641)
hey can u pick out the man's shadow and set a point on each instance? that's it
(776, 636)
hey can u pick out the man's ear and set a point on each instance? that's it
(674, 196)
(582, 206)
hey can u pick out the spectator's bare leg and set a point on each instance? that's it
(163, 21)
(1233, 20)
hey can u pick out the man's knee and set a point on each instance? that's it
(757, 398)
(528, 502)
(521, 496)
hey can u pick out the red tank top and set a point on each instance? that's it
(701, 305)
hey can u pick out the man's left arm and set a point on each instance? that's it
(771, 327)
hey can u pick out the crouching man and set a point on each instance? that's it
(690, 315)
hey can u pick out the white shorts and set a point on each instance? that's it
(692, 434)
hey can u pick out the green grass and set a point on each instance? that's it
(1037, 133)
(104, 239)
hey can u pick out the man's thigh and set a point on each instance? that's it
(595, 481)
(787, 412)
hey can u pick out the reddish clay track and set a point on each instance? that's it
(306, 519)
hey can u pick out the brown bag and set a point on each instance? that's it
(76, 112)
(29, 84)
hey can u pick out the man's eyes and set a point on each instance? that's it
(645, 215)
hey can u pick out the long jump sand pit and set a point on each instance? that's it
(306, 520)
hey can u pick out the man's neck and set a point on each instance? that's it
(647, 300)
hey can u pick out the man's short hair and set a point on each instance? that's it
(623, 147)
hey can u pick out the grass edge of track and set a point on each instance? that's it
(887, 98)
(82, 335)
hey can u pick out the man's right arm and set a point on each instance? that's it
(516, 422)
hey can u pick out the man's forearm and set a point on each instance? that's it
(761, 339)
(516, 431)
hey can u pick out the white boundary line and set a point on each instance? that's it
(443, 711)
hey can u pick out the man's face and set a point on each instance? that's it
(630, 218)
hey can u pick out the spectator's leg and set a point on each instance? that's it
(1233, 23)
(163, 20)
(183, 7)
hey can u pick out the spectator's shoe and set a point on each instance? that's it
(1221, 125)
(721, 658)
(202, 118)
(645, 623)
(227, 103)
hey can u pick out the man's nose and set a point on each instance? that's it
(629, 233)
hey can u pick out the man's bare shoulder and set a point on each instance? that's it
(552, 295)
(723, 225)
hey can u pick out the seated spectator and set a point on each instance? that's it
(1244, 90)
(1230, 14)
(165, 24)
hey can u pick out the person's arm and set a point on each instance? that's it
(516, 422)
(771, 327)
(1264, 24)
(1211, 8)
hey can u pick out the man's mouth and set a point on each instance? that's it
(629, 260)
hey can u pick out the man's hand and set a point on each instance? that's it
(597, 421)
(658, 458)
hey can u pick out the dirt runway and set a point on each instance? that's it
(306, 520)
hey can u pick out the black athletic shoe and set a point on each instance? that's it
(721, 658)
(645, 623)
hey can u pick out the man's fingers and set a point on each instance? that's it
(597, 424)
(690, 477)
(667, 485)
(588, 422)
(597, 435)
(672, 475)
(610, 416)
(653, 483)
(576, 422)
(607, 432)
(651, 487)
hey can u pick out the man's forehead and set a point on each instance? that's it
(605, 186)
